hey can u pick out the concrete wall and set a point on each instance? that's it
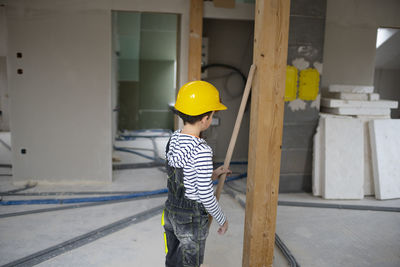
(350, 38)
(230, 42)
(387, 84)
(4, 99)
(305, 50)
(61, 104)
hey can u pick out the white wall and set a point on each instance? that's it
(60, 105)
(350, 38)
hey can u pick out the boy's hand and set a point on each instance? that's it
(219, 171)
(222, 230)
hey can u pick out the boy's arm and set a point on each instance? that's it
(204, 169)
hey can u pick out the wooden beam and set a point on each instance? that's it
(266, 124)
(196, 32)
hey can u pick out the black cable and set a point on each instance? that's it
(236, 189)
(26, 187)
(278, 241)
(227, 77)
(126, 166)
(337, 206)
(203, 68)
(286, 252)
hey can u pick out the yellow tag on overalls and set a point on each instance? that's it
(165, 235)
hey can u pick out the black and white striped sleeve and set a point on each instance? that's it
(204, 168)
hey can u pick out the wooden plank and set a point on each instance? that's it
(196, 32)
(235, 133)
(236, 129)
(266, 125)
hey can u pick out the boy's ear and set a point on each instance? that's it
(204, 119)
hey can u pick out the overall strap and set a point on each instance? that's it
(176, 190)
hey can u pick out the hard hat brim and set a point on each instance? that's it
(194, 113)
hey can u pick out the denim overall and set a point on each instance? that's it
(185, 224)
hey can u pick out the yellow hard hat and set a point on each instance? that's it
(198, 97)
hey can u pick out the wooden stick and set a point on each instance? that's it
(235, 133)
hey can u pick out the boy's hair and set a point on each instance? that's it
(191, 119)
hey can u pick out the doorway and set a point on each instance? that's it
(387, 66)
(144, 60)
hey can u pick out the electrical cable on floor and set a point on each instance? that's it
(237, 189)
(137, 148)
(137, 153)
(326, 205)
(129, 166)
(123, 137)
(84, 239)
(75, 206)
(98, 199)
(82, 200)
(286, 252)
(132, 136)
(337, 206)
(135, 194)
(59, 193)
(26, 187)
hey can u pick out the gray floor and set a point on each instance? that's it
(315, 236)
(338, 237)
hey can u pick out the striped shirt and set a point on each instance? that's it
(195, 157)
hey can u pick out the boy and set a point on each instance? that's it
(190, 174)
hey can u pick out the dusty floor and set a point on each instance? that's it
(315, 236)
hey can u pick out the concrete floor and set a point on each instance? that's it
(315, 236)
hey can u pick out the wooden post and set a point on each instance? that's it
(196, 32)
(266, 124)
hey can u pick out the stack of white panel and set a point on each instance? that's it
(350, 142)
(355, 101)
